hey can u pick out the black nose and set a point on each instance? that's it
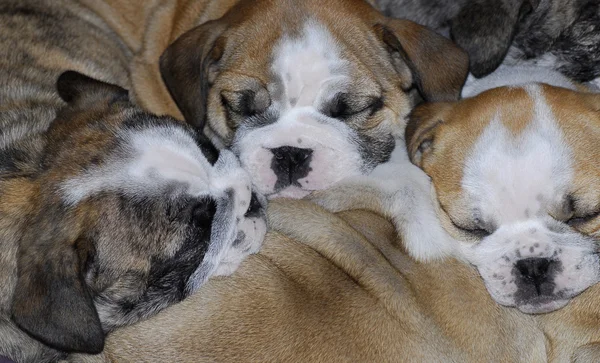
(535, 271)
(290, 164)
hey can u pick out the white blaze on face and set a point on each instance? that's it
(311, 72)
(511, 177)
(512, 183)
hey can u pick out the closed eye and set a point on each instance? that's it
(341, 108)
(579, 220)
(475, 232)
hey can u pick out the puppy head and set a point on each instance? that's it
(307, 94)
(129, 212)
(516, 176)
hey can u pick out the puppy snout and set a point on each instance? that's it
(290, 164)
(537, 273)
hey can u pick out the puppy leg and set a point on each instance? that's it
(402, 192)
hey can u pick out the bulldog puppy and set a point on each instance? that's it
(307, 93)
(118, 215)
(514, 170)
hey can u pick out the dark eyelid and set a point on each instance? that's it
(339, 105)
(478, 232)
(584, 218)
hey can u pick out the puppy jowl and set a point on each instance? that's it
(129, 213)
(320, 101)
(525, 200)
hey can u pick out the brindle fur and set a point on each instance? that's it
(71, 272)
(39, 40)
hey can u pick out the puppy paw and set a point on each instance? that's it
(402, 192)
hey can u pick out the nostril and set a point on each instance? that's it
(277, 154)
(533, 267)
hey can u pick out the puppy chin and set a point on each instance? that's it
(292, 191)
(542, 306)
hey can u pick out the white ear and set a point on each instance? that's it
(170, 155)
(147, 161)
(404, 193)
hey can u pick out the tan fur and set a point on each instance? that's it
(148, 27)
(455, 128)
(340, 288)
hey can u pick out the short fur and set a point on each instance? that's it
(96, 231)
(236, 70)
(557, 34)
(340, 287)
(512, 168)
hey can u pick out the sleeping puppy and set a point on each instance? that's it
(107, 214)
(515, 172)
(307, 94)
(556, 34)
(120, 215)
(514, 169)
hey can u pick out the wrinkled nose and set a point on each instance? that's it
(536, 272)
(290, 164)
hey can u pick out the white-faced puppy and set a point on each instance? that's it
(516, 171)
(117, 215)
(307, 93)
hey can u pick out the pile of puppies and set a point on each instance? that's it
(471, 236)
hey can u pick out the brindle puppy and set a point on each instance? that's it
(107, 214)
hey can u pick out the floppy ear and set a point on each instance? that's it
(74, 87)
(51, 301)
(486, 28)
(436, 66)
(186, 67)
(421, 127)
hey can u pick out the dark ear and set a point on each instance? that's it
(486, 28)
(51, 302)
(74, 87)
(186, 67)
(436, 66)
(421, 127)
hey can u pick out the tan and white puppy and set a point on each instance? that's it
(515, 171)
(305, 92)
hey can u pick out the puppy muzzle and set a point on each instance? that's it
(534, 266)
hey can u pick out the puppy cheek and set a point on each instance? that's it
(257, 162)
(580, 271)
(328, 167)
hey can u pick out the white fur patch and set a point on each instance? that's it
(150, 160)
(511, 177)
(312, 72)
(405, 195)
